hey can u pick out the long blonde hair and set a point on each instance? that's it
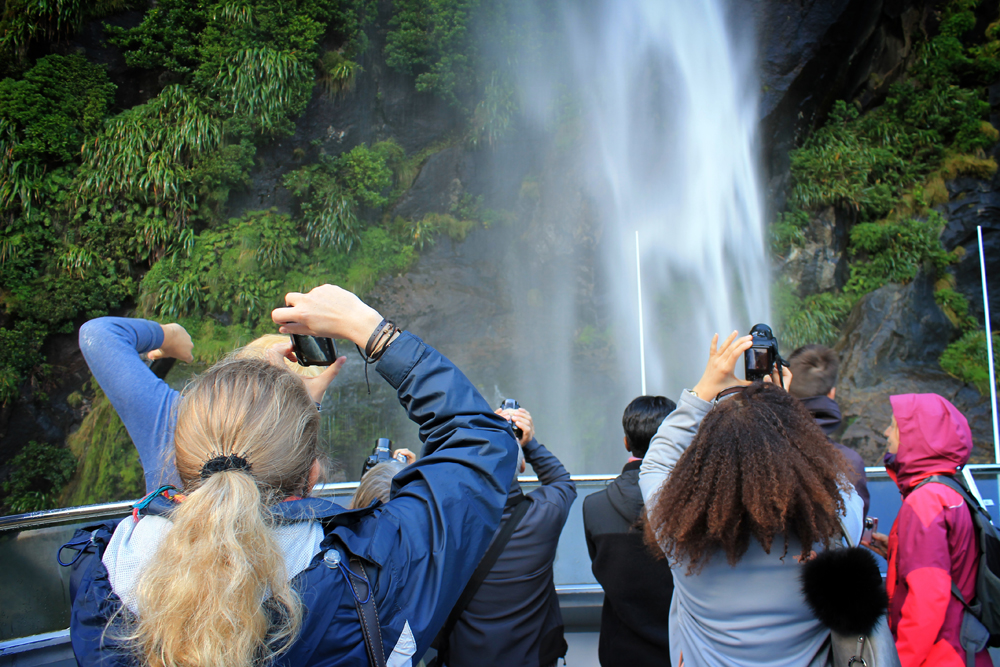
(375, 483)
(217, 592)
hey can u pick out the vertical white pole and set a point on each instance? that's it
(989, 348)
(642, 342)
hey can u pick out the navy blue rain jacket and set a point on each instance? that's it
(420, 548)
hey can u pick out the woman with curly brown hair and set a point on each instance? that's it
(739, 491)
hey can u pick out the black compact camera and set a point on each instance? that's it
(761, 359)
(381, 454)
(313, 350)
(512, 404)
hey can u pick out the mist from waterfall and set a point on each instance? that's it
(667, 98)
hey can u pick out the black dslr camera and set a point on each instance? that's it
(512, 404)
(761, 359)
(381, 454)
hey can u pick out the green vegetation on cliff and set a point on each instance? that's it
(887, 168)
(105, 209)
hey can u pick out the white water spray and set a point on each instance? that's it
(671, 99)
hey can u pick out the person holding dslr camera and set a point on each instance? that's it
(303, 581)
(740, 485)
(509, 613)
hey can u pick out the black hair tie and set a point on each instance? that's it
(223, 463)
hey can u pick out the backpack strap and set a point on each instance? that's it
(955, 485)
(496, 548)
(364, 600)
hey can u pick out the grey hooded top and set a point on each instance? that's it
(752, 614)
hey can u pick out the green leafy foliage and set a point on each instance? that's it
(38, 473)
(890, 166)
(44, 118)
(967, 359)
(955, 307)
(430, 39)
(365, 171)
(867, 162)
(20, 353)
(335, 73)
(893, 252)
(55, 104)
(109, 467)
(816, 318)
(23, 22)
(331, 190)
(267, 87)
(147, 152)
(234, 269)
(787, 231)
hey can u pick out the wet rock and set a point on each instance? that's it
(438, 187)
(814, 52)
(891, 345)
(818, 265)
(973, 203)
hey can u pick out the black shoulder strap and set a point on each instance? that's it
(489, 559)
(364, 600)
(954, 484)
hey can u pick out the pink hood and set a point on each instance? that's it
(934, 437)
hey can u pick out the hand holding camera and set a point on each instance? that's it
(720, 372)
(383, 453)
(519, 419)
(327, 311)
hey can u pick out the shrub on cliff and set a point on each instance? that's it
(966, 359)
(37, 475)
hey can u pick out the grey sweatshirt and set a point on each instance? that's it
(752, 614)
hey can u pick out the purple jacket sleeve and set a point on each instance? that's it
(145, 403)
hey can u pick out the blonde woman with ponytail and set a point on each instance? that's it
(240, 567)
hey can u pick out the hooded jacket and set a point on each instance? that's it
(637, 586)
(420, 548)
(932, 542)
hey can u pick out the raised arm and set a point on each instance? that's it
(556, 485)
(111, 346)
(680, 426)
(671, 440)
(446, 506)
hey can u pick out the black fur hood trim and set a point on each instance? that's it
(844, 588)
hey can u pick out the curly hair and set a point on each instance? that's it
(758, 466)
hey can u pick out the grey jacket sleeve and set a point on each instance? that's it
(672, 438)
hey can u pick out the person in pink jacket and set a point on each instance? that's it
(932, 542)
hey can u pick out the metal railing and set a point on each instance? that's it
(122, 507)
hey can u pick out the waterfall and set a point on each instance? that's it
(667, 97)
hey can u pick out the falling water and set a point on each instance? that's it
(636, 115)
(673, 110)
(667, 91)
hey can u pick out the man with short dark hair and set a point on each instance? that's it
(814, 379)
(637, 586)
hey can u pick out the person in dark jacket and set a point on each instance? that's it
(814, 371)
(637, 586)
(514, 617)
(245, 436)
